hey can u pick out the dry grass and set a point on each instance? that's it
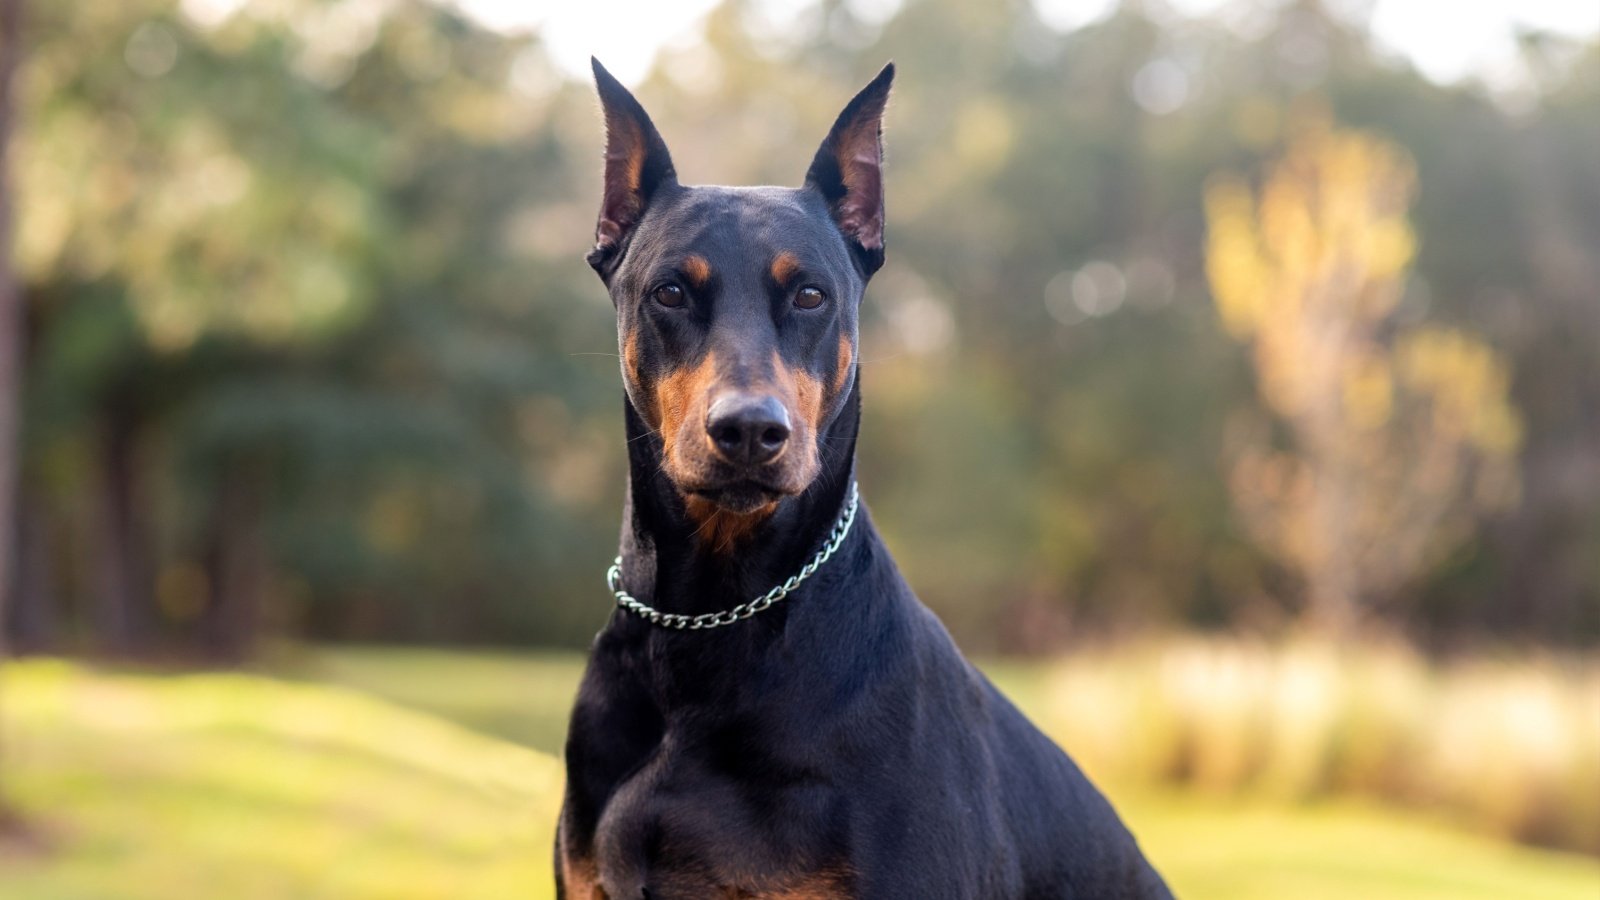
(1509, 745)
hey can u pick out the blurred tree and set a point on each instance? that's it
(11, 317)
(290, 377)
(187, 211)
(11, 349)
(312, 349)
(1397, 436)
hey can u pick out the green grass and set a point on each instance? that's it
(232, 786)
(419, 774)
(521, 697)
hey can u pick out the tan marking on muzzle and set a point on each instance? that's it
(697, 270)
(800, 391)
(680, 397)
(632, 372)
(784, 265)
(846, 355)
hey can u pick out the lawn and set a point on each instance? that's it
(428, 774)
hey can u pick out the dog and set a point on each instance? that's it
(770, 712)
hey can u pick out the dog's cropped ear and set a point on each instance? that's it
(848, 171)
(637, 165)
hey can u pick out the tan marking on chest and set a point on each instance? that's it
(580, 879)
(829, 884)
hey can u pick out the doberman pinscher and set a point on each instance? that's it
(770, 712)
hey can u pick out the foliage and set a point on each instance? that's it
(1399, 434)
(175, 785)
(313, 351)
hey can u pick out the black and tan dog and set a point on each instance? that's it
(827, 740)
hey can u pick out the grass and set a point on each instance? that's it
(244, 787)
(1509, 746)
(521, 697)
(427, 774)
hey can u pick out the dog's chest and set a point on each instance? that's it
(683, 827)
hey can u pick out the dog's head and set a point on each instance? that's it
(737, 307)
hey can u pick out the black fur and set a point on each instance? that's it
(836, 744)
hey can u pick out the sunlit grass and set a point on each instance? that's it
(1235, 849)
(1510, 747)
(241, 786)
(522, 697)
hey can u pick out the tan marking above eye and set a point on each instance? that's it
(784, 265)
(696, 269)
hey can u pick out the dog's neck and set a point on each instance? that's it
(668, 561)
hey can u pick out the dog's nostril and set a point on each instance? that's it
(747, 429)
(728, 437)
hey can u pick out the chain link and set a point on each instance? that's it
(841, 528)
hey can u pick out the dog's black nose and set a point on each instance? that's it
(747, 429)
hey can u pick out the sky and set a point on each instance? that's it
(1447, 40)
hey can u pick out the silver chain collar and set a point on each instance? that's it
(841, 528)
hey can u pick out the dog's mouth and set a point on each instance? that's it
(744, 495)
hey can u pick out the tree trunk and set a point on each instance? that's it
(121, 603)
(10, 311)
(11, 324)
(236, 568)
(32, 619)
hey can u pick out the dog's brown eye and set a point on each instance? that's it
(809, 298)
(668, 295)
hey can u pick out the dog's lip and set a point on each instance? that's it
(739, 486)
(742, 488)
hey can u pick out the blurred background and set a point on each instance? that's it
(1232, 393)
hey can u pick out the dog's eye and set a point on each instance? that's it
(809, 297)
(668, 295)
